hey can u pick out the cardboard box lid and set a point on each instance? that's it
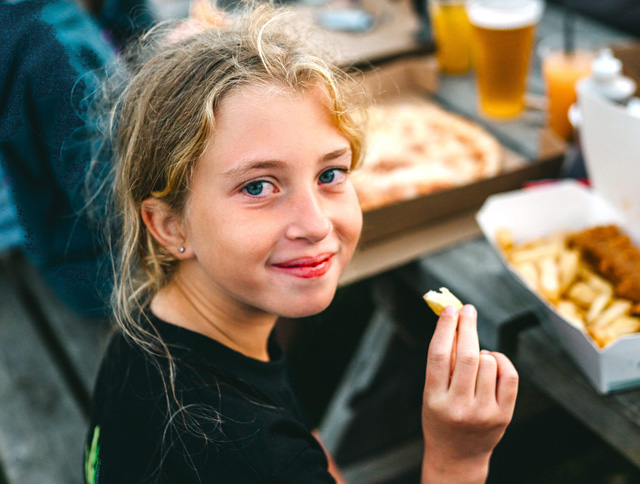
(610, 139)
(415, 76)
(395, 31)
(533, 213)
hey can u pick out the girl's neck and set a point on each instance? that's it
(242, 329)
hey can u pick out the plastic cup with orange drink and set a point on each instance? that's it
(561, 70)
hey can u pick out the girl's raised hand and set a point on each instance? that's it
(469, 397)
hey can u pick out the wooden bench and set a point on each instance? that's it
(48, 361)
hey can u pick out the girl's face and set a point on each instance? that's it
(272, 217)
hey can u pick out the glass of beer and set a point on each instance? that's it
(502, 34)
(452, 34)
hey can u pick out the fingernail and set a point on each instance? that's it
(468, 309)
(449, 311)
(485, 352)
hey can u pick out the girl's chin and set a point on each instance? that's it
(304, 310)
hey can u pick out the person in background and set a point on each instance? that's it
(233, 146)
(123, 21)
(50, 54)
(620, 14)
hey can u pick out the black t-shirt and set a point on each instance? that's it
(239, 421)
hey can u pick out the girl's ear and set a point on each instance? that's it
(165, 226)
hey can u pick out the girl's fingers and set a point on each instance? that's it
(467, 353)
(454, 350)
(507, 389)
(439, 356)
(487, 376)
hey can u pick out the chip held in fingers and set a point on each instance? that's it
(437, 301)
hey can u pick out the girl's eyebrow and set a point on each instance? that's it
(248, 166)
(252, 165)
(336, 154)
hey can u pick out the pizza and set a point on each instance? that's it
(418, 148)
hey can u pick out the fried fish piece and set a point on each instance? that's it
(613, 254)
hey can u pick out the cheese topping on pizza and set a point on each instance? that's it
(418, 148)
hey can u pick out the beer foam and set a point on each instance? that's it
(504, 15)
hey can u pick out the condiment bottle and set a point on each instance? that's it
(607, 80)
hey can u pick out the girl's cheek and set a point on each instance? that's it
(353, 221)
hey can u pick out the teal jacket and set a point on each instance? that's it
(49, 50)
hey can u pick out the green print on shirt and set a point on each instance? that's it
(92, 459)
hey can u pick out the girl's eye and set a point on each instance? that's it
(254, 188)
(334, 175)
(259, 188)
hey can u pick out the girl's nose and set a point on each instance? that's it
(310, 219)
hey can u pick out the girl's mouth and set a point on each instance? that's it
(307, 267)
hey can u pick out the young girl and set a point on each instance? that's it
(233, 147)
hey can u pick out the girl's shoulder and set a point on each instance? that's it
(128, 416)
(128, 375)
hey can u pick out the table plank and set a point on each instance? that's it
(78, 342)
(41, 427)
(614, 417)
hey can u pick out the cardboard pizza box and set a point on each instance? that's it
(417, 77)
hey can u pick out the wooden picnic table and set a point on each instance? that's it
(614, 417)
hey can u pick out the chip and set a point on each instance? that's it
(437, 301)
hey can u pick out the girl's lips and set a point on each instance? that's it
(306, 268)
